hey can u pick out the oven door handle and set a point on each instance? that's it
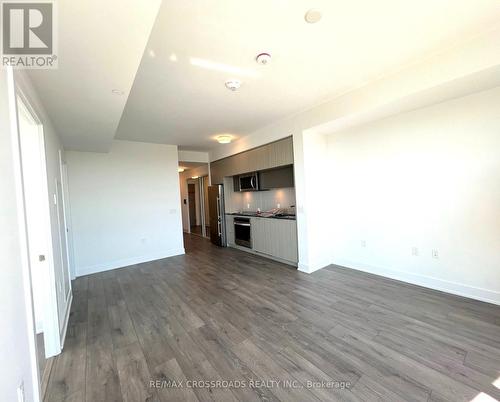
(241, 224)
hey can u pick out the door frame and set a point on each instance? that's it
(51, 328)
(67, 217)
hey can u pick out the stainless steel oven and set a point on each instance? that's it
(242, 232)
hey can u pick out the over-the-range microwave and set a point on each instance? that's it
(249, 182)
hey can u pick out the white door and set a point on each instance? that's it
(38, 243)
(38, 227)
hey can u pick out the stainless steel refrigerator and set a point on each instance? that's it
(217, 215)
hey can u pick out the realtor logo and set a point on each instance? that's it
(28, 34)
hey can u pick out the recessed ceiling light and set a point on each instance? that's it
(117, 91)
(224, 139)
(173, 57)
(181, 169)
(152, 53)
(312, 16)
(263, 58)
(233, 84)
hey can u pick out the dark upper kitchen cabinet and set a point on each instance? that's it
(275, 154)
(276, 178)
(236, 183)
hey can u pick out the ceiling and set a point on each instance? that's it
(100, 48)
(174, 100)
(190, 165)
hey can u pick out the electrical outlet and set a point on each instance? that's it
(435, 254)
(278, 205)
(363, 243)
(414, 251)
(20, 392)
(248, 206)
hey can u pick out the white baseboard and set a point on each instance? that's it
(312, 267)
(471, 292)
(271, 257)
(107, 266)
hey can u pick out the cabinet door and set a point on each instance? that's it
(275, 237)
(230, 229)
(281, 153)
(259, 235)
(216, 171)
(242, 163)
(258, 158)
(276, 178)
(285, 244)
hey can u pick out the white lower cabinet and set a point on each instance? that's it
(230, 229)
(261, 235)
(275, 237)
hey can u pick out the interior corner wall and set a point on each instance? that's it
(427, 179)
(125, 205)
(314, 217)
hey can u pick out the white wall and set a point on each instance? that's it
(464, 69)
(428, 179)
(16, 316)
(125, 205)
(316, 197)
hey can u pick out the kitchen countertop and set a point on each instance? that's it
(256, 215)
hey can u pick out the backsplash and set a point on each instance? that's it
(252, 200)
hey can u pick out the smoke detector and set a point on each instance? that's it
(263, 58)
(233, 84)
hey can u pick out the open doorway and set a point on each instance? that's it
(194, 181)
(194, 207)
(199, 218)
(39, 236)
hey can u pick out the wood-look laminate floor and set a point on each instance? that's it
(222, 314)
